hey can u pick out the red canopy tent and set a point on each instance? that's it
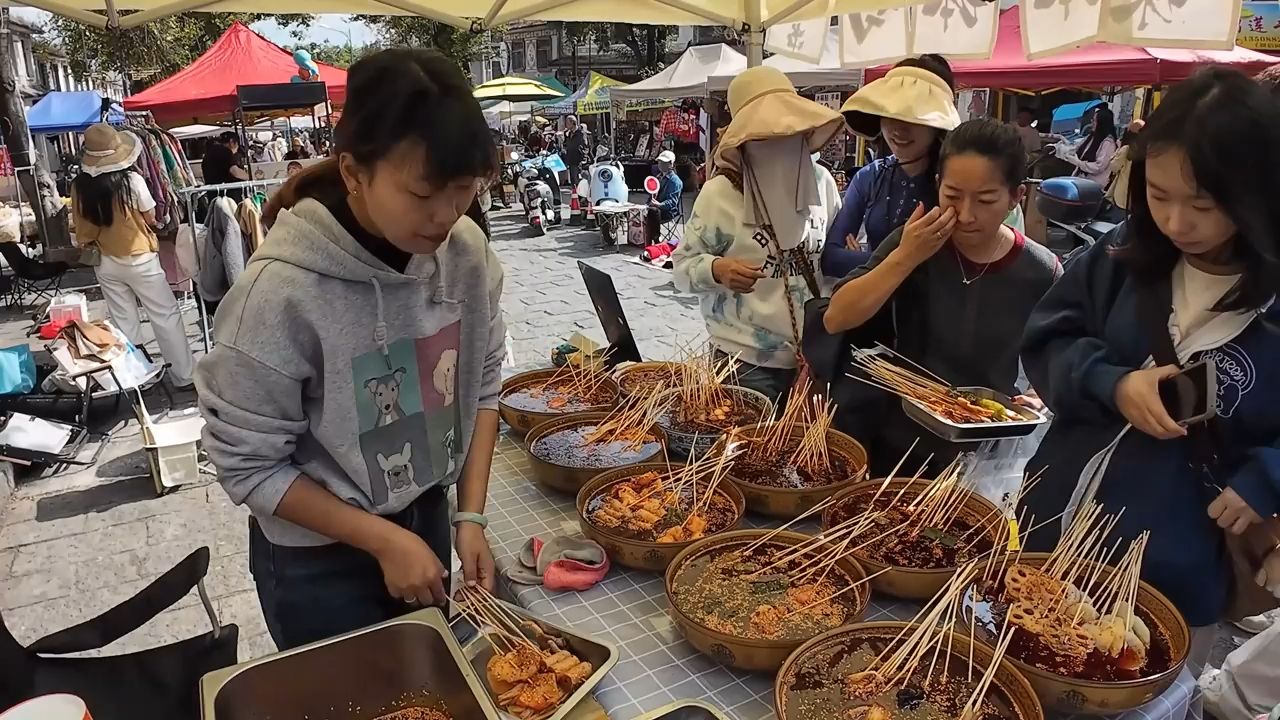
(207, 87)
(1094, 65)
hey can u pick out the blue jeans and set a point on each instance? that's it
(773, 383)
(312, 593)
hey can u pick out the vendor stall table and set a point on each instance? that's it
(629, 608)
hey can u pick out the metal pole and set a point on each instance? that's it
(755, 34)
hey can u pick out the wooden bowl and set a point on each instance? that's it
(1009, 686)
(566, 478)
(685, 445)
(1064, 694)
(789, 503)
(751, 654)
(905, 582)
(621, 375)
(522, 421)
(640, 554)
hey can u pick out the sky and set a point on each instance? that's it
(326, 28)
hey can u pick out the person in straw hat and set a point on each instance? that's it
(114, 211)
(752, 243)
(911, 108)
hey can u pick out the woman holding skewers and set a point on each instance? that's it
(951, 290)
(1191, 276)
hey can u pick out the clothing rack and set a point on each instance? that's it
(190, 195)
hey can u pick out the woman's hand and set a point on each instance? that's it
(1269, 575)
(925, 233)
(477, 558)
(1030, 400)
(410, 569)
(1137, 396)
(736, 275)
(1234, 515)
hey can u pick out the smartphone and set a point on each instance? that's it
(1191, 396)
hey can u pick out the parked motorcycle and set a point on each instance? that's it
(539, 193)
(1072, 206)
(607, 185)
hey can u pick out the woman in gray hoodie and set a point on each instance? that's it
(358, 361)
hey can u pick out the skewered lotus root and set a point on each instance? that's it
(1025, 616)
(1023, 582)
(1068, 640)
(863, 685)
(874, 711)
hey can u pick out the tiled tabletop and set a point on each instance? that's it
(629, 608)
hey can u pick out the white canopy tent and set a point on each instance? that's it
(825, 73)
(505, 113)
(687, 76)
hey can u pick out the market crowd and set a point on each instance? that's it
(358, 359)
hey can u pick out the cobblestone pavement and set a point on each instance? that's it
(74, 545)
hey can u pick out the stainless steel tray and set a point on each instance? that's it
(685, 710)
(976, 432)
(602, 655)
(413, 660)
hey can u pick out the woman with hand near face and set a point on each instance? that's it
(951, 290)
(1198, 258)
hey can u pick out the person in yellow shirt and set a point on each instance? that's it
(115, 211)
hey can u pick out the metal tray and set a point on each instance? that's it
(602, 655)
(685, 710)
(976, 432)
(413, 660)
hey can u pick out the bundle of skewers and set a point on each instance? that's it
(530, 672)
(578, 384)
(1077, 611)
(630, 425)
(677, 506)
(895, 373)
(924, 669)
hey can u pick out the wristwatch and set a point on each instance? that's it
(470, 517)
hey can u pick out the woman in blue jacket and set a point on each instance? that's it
(883, 194)
(1200, 257)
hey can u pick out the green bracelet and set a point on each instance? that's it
(470, 517)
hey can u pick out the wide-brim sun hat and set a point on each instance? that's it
(765, 106)
(910, 94)
(108, 150)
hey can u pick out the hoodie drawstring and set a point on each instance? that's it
(380, 327)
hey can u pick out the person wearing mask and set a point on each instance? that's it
(577, 147)
(359, 360)
(1031, 142)
(951, 290)
(751, 247)
(1092, 155)
(115, 212)
(1192, 273)
(912, 108)
(222, 161)
(298, 150)
(1118, 188)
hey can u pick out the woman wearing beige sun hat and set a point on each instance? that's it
(751, 246)
(114, 213)
(913, 107)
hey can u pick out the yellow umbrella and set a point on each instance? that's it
(515, 89)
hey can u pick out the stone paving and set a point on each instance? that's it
(58, 568)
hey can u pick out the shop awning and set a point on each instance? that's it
(206, 89)
(687, 76)
(825, 73)
(59, 112)
(592, 98)
(1096, 65)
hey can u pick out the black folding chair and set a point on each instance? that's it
(161, 682)
(32, 277)
(671, 232)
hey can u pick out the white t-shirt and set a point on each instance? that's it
(1195, 293)
(142, 199)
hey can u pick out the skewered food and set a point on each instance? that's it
(530, 672)
(923, 670)
(649, 376)
(415, 713)
(893, 372)
(702, 403)
(571, 389)
(624, 437)
(1077, 616)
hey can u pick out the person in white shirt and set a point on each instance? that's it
(1092, 155)
(755, 235)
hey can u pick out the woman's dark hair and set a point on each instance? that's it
(1229, 128)
(1104, 126)
(993, 140)
(397, 96)
(97, 198)
(935, 64)
(228, 136)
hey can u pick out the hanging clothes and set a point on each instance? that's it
(223, 257)
(250, 219)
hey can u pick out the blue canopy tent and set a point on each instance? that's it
(1066, 118)
(60, 112)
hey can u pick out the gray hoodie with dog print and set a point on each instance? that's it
(367, 380)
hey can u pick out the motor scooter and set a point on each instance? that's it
(1072, 206)
(607, 185)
